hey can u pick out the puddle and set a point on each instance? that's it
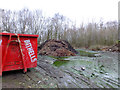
(87, 53)
(59, 63)
(59, 58)
(71, 63)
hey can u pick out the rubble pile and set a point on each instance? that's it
(114, 48)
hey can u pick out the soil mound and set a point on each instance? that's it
(114, 48)
(56, 48)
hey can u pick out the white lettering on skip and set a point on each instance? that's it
(0, 42)
(30, 50)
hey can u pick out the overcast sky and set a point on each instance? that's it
(76, 10)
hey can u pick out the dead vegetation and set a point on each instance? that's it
(59, 27)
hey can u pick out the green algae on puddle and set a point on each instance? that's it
(59, 58)
(59, 63)
(86, 53)
(70, 63)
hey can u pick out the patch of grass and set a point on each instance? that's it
(85, 53)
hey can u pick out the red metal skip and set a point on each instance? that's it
(17, 51)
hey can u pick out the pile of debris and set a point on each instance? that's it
(56, 48)
(114, 48)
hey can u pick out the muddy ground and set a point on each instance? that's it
(68, 72)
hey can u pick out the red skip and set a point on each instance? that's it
(17, 51)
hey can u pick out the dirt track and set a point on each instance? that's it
(46, 75)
